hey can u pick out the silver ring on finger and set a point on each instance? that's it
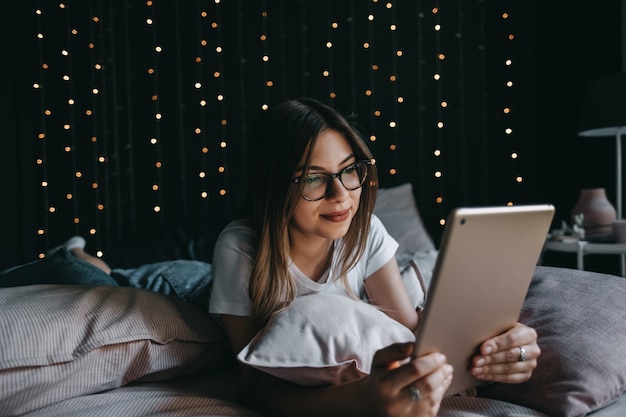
(522, 354)
(414, 394)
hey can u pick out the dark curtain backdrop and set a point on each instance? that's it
(123, 117)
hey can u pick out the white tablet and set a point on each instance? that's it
(486, 262)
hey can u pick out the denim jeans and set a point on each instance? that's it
(185, 280)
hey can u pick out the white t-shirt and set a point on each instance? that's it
(234, 254)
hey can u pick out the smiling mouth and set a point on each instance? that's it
(338, 216)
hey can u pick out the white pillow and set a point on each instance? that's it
(323, 339)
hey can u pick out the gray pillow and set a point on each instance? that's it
(395, 207)
(580, 318)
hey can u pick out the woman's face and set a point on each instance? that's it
(329, 217)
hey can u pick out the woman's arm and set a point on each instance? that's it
(499, 358)
(385, 392)
(386, 291)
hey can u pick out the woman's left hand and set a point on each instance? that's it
(510, 357)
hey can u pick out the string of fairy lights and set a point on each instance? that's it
(441, 105)
(370, 96)
(330, 71)
(509, 131)
(265, 56)
(155, 138)
(223, 140)
(373, 40)
(396, 54)
(96, 155)
(202, 24)
(42, 151)
(210, 83)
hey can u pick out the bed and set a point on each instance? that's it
(75, 350)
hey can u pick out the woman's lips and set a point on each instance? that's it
(337, 216)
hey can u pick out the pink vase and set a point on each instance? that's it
(599, 213)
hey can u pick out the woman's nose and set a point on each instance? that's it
(336, 190)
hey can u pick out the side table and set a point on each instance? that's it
(582, 248)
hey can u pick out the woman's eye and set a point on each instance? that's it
(349, 170)
(313, 179)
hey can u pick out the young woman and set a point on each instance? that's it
(309, 229)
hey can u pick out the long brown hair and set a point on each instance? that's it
(284, 135)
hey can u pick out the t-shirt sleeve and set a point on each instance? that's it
(381, 247)
(232, 265)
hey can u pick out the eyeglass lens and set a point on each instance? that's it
(316, 185)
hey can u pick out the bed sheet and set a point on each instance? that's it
(211, 395)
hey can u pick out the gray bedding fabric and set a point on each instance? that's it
(615, 409)
(210, 395)
(214, 396)
(459, 406)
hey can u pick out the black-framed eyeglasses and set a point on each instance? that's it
(315, 185)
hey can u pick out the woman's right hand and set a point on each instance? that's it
(391, 383)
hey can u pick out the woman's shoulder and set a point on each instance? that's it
(237, 234)
(239, 226)
(376, 222)
(376, 226)
(378, 234)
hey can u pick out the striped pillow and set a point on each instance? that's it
(64, 341)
